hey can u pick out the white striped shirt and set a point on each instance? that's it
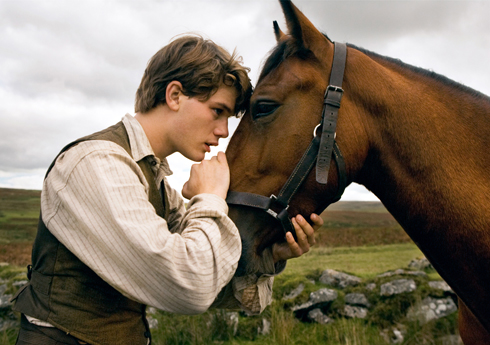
(95, 202)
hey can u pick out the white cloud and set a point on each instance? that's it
(32, 179)
(357, 192)
(70, 68)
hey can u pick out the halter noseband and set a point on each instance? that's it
(320, 151)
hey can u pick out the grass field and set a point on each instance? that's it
(352, 223)
(19, 213)
(360, 238)
(346, 224)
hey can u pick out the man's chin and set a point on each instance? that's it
(195, 157)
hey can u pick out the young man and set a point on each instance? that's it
(113, 237)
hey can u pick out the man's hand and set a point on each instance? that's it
(210, 176)
(306, 238)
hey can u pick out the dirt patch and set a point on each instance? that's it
(17, 254)
(354, 237)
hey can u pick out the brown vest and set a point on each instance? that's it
(69, 295)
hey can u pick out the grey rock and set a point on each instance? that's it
(295, 293)
(397, 337)
(358, 299)
(394, 335)
(391, 273)
(371, 286)
(420, 264)
(7, 324)
(431, 309)
(355, 312)
(265, 329)
(402, 272)
(416, 273)
(318, 298)
(396, 287)
(20, 283)
(323, 295)
(5, 301)
(316, 315)
(231, 319)
(152, 322)
(440, 285)
(339, 279)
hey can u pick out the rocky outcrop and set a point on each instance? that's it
(8, 287)
(348, 296)
(401, 297)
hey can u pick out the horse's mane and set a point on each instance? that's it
(289, 48)
(424, 72)
(281, 52)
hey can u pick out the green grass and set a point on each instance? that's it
(365, 261)
(285, 330)
(19, 213)
(360, 238)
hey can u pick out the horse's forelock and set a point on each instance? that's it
(281, 52)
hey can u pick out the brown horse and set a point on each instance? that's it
(419, 141)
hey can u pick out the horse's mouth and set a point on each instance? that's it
(258, 232)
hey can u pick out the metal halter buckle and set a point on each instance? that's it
(272, 212)
(334, 88)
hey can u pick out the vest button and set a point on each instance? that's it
(147, 334)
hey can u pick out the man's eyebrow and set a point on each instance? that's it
(225, 106)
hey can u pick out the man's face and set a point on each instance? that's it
(202, 124)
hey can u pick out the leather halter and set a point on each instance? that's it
(320, 150)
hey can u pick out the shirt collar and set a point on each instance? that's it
(140, 145)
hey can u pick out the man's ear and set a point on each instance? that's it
(173, 95)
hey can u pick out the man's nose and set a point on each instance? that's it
(222, 128)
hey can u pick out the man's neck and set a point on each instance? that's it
(154, 126)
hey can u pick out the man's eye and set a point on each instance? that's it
(263, 109)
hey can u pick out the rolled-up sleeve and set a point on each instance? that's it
(251, 293)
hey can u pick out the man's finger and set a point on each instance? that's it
(317, 221)
(221, 157)
(293, 246)
(308, 231)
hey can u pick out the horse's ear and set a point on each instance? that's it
(278, 32)
(300, 27)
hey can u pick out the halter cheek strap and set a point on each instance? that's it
(320, 151)
(331, 105)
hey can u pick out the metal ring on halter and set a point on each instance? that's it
(314, 131)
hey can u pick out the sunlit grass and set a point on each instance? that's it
(365, 262)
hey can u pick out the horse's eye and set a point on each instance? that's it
(263, 109)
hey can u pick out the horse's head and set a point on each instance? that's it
(272, 136)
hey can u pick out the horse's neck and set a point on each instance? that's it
(429, 160)
(429, 163)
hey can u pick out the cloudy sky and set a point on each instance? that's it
(70, 68)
